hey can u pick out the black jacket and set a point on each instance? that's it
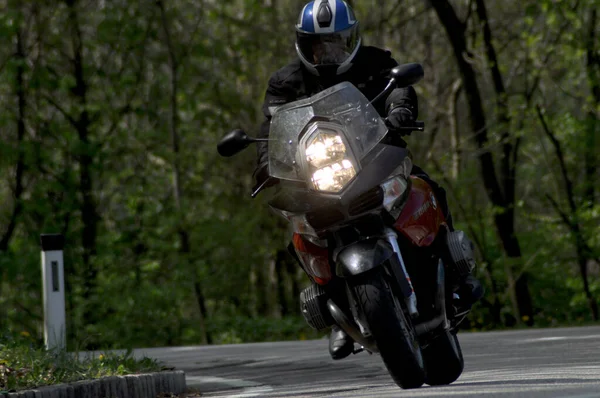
(369, 73)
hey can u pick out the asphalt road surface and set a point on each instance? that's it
(531, 363)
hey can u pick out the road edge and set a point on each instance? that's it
(148, 385)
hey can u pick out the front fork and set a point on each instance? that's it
(440, 317)
(410, 298)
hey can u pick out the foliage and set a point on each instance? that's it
(110, 116)
(25, 365)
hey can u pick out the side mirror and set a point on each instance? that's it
(407, 74)
(234, 142)
(401, 76)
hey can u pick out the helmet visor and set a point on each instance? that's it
(328, 49)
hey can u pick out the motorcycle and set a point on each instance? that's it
(370, 236)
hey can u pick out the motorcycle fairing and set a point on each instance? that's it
(362, 256)
(422, 216)
(343, 104)
(363, 194)
(314, 259)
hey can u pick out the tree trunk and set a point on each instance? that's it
(503, 201)
(582, 259)
(280, 269)
(274, 301)
(494, 307)
(177, 188)
(593, 74)
(89, 215)
(8, 233)
(206, 336)
(571, 220)
(293, 271)
(454, 130)
(20, 167)
(261, 283)
(254, 291)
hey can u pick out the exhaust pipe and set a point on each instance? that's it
(350, 327)
(440, 306)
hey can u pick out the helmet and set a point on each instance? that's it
(327, 37)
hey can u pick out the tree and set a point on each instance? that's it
(500, 188)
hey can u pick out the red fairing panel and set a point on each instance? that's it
(315, 259)
(422, 216)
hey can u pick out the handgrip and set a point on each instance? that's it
(417, 126)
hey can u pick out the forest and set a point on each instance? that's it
(110, 116)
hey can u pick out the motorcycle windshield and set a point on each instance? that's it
(342, 104)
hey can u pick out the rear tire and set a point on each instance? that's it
(443, 360)
(389, 327)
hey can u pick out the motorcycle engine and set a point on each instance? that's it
(461, 252)
(313, 304)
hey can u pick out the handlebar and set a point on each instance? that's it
(270, 181)
(265, 184)
(417, 126)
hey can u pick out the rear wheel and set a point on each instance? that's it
(443, 360)
(390, 328)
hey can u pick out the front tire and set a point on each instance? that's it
(443, 360)
(389, 327)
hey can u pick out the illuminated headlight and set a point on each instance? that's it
(393, 190)
(324, 148)
(329, 162)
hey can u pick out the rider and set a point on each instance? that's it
(329, 50)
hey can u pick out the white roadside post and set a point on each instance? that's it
(53, 280)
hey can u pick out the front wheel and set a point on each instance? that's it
(443, 359)
(390, 329)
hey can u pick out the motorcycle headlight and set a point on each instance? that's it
(330, 163)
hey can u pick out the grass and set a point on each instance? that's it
(24, 364)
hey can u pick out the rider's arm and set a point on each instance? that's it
(274, 96)
(279, 91)
(404, 97)
(401, 106)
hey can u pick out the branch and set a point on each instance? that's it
(561, 213)
(507, 170)
(30, 314)
(575, 229)
(20, 169)
(542, 68)
(469, 13)
(462, 209)
(59, 108)
(561, 160)
(188, 47)
(491, 53)
(406, 20)
(170, 48)
(513, 170)
(173, 127)
(119, 115)
(593, 59)
(455, 31)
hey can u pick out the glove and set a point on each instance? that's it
(400, 117)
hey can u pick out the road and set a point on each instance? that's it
(530, 363)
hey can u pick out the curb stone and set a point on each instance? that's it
(130, 386)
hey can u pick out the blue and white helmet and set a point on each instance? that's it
(327, 36)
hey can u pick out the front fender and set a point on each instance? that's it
(362, 256)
